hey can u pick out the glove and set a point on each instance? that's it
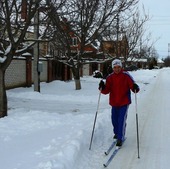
(101, 85)
(135, 88)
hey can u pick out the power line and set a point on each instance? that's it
(163, 16)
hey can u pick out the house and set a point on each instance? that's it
(160, 63)
(116, 48)
(138, 62)
(59, 55)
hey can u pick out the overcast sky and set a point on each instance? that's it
(159, 24)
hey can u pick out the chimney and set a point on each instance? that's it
(24, 10)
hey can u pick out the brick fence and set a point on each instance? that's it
(20, 73)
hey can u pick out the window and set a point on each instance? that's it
(74, 41)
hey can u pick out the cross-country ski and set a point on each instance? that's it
(110, 148)
(112, 156)
(115, 151)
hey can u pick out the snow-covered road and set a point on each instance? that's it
(52, 129)
(155, 125)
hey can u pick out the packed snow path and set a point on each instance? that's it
(155, 126)
(153, 110)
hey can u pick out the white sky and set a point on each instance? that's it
(159, 25)
(52, 129)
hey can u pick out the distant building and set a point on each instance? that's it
(116, 48)
(139, 62)
(160, 63)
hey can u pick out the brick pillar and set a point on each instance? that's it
(70, 71)
(101, 67)
(49, 71)
(90, 69)
(28, 71)
(65, 73)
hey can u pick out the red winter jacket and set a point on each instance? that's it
(118, 86)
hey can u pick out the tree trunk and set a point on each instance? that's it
(76, 75)
(3, 96)
(77, 84)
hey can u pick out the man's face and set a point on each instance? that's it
(117, 69)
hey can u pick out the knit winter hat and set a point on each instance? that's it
(116, 62)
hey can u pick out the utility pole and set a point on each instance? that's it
(117, 38)
(168, 50)
(36, 53)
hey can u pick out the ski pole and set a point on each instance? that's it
(95, 121)
(137, 127)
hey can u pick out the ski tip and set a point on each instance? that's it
(105, 165)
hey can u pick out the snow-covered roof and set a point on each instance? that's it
(160, 60)
(26, 54)
(137, 60)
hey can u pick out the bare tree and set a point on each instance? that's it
(88, 19)
(136, 33)
(16, 20)
(13, 33)
(129, 24)
(167, 61)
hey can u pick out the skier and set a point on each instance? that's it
(118, 85)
